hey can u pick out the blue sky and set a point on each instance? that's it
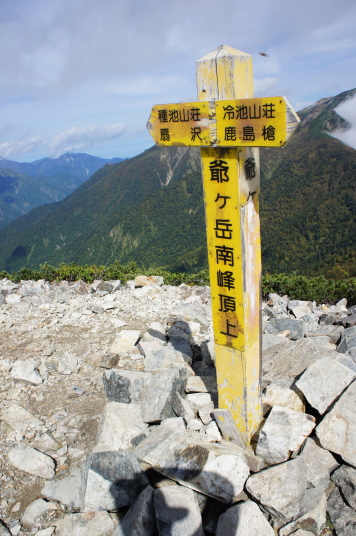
(82, 75)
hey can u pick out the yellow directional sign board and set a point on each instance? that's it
(184, 124)
(252, 122)
(261, 122)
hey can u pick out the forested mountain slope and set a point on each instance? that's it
(150, 208)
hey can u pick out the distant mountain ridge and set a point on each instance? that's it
(78, 165)
(27, 185)
(150, 209)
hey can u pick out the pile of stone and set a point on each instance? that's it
(161, 462)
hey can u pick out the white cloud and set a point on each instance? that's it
(71, 140)
(263, 85)
(75, 62)
(347, 110)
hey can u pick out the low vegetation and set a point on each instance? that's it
(319, 288)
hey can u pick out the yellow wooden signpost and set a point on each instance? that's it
(229, 124)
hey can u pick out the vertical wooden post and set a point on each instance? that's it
(231, 193)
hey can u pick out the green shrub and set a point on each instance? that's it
(299, 287)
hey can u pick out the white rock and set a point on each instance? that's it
(314, 518)
(125, 341)
(178, 511)
(164, 358)
(323, 381)
(199, 384)
(279, 393)
(32, 461)
(46, 532)
(87, 524)
(152, 290)
(337, 431)
(148, 347)
(45, 443)
(173, 423)
(212, 431)
(118, 323)
(125, 386)
(206, 412)
(120, 425)
(345, 479)
(182, 408)
(114, 480)
(319, 463)
(157, 397)
(140, 520)
(25, 372)
(155, 333)
(283, 432)
(216, 470)
(198, 400)
(300, 310)
(34, 511)
(281, 488)
(12, 298)
(20, 420)
(244, 519)
(68, 491)
(67, 364)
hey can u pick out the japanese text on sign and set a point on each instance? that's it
(247, 121)
(180, 124)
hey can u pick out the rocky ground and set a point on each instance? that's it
(108, 425)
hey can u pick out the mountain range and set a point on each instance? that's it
(149, 208)
(27, 185)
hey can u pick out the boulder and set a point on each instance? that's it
(195, 312)
(125, 341)
(157, 397)
(342, 516)
(347, 343)
(269, 340)
(35, 511)
(280, 488)
(282, 393)
(319, 463)
(67, 491)
(337, 431)
(32, 461)
(183, 409)
(85, 524)
(125, 386)
(283, 432)
(26, 372)
(20, 420)
(323, 381)
(244, 519)
(290, 359)
(345, 479)
(296, 327)
(300, 308)
(163, 358)
(198, 400)
(155, 333)
(216, 470)
(121, 427)
(114, 480)
(67, 364)
(201, 384)
(206, 412)
(153, 290)
(313, 520)
(140, 520)
(177, 512)
(333, 332)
